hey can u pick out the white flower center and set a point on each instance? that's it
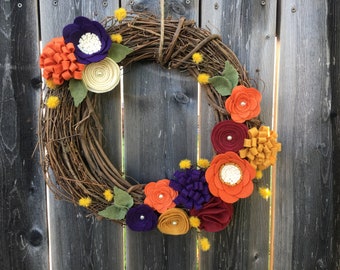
(229, 137)
(89, 43)
(230, 174)
(141, 217)
(243, 103)
(160, 196)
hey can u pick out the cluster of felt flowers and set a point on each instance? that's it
(85, 56)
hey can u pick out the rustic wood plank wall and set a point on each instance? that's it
(161, 120)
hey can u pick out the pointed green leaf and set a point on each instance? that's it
(122, 198)
(222, 85)
(230, 73)
(118, 52)
(113, 212)
(78, 91)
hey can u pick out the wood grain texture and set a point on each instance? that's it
(76, 240)
(160, 129)
(304, 206)
(22, 197)
(248, 28)
(334, 43)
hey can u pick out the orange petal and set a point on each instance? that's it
(247, 190)
(227, 197)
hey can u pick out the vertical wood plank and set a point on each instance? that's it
(160, 130)
(334, 43)
(304, 211)
(76, 240)
(248, 28)
(22, 197)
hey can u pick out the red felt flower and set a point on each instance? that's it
(228, 136)
(230, 177)
(159, 195)
(243, 103)
(215, 215)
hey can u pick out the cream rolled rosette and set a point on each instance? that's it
(102, 76)
(174, 221)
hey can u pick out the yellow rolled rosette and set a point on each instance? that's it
(102, 76)
(174, 221)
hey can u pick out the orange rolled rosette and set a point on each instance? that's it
(174, 221)
(243, 103)
(230, 178)
(159, 195)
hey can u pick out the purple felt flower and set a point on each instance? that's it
(141, 218)
(89, 38)
(192, 188)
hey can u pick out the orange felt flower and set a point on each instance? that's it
(159, 195)
(230, 177)
(243, 103)
(59, 62)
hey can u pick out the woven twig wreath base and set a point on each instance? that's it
(70, 137)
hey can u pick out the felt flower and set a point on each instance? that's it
(192, 188)
(194, 222)
(203, 163)
(89, 38)
(228, 136)
(185, 164)
(243, 103)
(203, 78)
(141, 218)
(230, 177)
(265, 192)
(174, 221)
(116, 38)
(50, 84)
(215, 215)
(261, 147)
(197, 58)
(85, 201)
(204, 244)
(108, 195)
(159, 195)
(120, 14)
(59, 62)
(52, 102)
(101, 77)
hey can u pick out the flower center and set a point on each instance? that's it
(243, 103)
(160, 196)
(141, 217)
(89, 43)
(174, 222)
(230, 174)
(229, 137)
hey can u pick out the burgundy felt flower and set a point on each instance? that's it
(89, 38)
(215, 215)
(228, 136)
(192, 188)
(141, 218)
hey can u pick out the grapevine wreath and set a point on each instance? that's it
(84, 62)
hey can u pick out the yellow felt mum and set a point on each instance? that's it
(195, 222)
(120, 14)
(50, 84)
(108, 195)
(116, 38)
(203, 78)
(52, 102)
(197, 58)
(85, 201)
(265, 192)
(204, 244)
(185, 164)
(203, 163)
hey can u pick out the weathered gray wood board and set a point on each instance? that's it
(22, 193)
(304, 209)
(164, 123)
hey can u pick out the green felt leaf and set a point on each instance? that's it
(113, 212)
(230, 73)
(118, 52)
(78, 91)
(122, 198)
(222, 85)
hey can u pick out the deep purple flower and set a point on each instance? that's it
(192, 188)
(141, 218)
(89, 38)
(228, 136)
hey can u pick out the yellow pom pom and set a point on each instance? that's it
(259, 174)
(194, 222)
(185, 164)
(120, 14)
(116, 38)
(50, 84)
(197, 58)
(85, 201)
(265, 192)
(203, 78)
(52, 102)
(204, 244)
(203, 163)
(108, 195)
